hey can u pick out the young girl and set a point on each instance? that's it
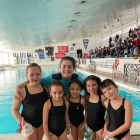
(119, 116)
(76, 110)
(55, 113)
(34, 97)
(94, 106)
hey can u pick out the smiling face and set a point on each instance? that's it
(92, 87)
(110, 91)
(57, 92)
(34, 75)
(66, 69)
(75, 90)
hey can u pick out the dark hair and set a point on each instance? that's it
(95, 78)
(32, 65)
(70, 59)
(106, 83)
(76, 81)
(56, 83)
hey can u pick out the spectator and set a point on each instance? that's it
(132, 50)
(120, 42)
(125, 50)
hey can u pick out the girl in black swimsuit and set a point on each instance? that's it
(119, 112)
(94, 106)
(34, 97)
(55, 113)
(76, 110)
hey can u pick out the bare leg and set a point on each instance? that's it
(40, 132)
(127, 136)
(94, 135)
(53, 137)
(33, 136)
(99, 134)
(63, 136)
(80, 135)
(73, 132)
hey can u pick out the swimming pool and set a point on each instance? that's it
(10, 78)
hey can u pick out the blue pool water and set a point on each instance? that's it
(9, 79)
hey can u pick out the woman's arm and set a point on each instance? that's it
(46, 109)
(18, 95)
(127, 122)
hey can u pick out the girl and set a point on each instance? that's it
(94, 106)
(55, 113)
(119, 115)
(77, 106)
(67, 67)
(34, 97)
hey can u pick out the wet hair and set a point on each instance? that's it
(32, 65)
(70, 59)
(95, 78)
(56, 83)
(76, 81)
(106, 83)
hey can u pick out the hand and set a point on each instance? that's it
(18, 94)
(104, 133)
(82, 129)
(110, 135)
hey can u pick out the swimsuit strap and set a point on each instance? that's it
(123, 101)
(51, 102)
(69, 97)
(43, 88)
(80, 99)
(26, 89)
(64, 103)
(99, 97)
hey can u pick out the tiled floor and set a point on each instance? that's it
(120, 77)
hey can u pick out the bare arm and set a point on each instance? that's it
(18, 95)
(15, 110)
(46, 109)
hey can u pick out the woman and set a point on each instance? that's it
(67, 67)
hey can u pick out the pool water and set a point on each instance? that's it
(9, 79)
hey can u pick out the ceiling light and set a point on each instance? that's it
(69, 26)
(97, 32)
(83, 1)
(118, 19)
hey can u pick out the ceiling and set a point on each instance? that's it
(34, 23)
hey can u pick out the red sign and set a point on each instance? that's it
(63, 48)
(59, 55)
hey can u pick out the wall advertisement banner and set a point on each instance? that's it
(59, 55)
(72, 49)
(63, 49)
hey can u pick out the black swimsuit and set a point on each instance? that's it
(95, 115)
(56, 120)
(33, 107)
(76, 115)
(116, 119)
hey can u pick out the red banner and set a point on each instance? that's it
(63, 48)
(59, 55)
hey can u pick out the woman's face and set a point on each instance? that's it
(66, 69)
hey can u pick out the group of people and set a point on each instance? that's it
(50, 103)
(130, 46)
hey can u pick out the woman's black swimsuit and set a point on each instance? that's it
(116, 119)
(33, 107)
(95, 115)
(76, 115)
(56, 120)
